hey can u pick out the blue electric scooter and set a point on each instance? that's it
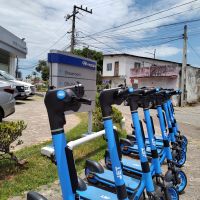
(182, 138)
(178, 153)
(134, 187)
(104, 178)
(134, 167)
(57, 102)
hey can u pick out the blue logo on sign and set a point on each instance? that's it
(61, 94)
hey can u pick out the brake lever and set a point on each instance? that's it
(83, 100)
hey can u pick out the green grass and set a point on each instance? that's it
(39, 170)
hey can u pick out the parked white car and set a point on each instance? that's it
(25, 89)
(7, 100)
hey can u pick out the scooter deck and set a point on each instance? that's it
(159, 141)
(132, 164)
(94, 193)
(134, 149)
(131, 183)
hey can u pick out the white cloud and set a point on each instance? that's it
(161, 51)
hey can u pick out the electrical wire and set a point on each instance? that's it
(44, 51)
(195, 52)
(132, 21)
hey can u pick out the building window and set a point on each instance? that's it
(137, 65)
(109, 67)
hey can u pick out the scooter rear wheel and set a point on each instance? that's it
(87, 174)
(108, 162)
(125, 152)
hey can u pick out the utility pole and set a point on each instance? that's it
(184, 65)
(73, 16)
(154, 54)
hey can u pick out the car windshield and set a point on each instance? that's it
(6, 76)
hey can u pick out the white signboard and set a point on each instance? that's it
(67, 69)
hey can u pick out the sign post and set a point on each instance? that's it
(67, 69)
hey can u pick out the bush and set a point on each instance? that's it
(97, 116)
(10, 132)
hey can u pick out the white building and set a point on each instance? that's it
(142, 71)
(11, 48)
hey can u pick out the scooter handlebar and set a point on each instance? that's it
(84, 101)
(175, 92)
(113, 96)
(58, 101)
(151, 91)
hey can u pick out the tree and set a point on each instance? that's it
(43, 69)
(92, 54)
(10, 132)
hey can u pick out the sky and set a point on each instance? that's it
(115, 26)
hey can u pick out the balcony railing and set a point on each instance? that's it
(154, 71)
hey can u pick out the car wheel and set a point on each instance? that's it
(24, 98)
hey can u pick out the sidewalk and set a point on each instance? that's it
(34, 113)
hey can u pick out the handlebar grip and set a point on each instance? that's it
(175, 92)
(84, 101)
(124, 92)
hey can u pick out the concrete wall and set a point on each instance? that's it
(11, 47)
(193, 84)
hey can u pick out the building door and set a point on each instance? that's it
(116, 71)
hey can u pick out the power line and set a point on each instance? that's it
(58, 40)
(90, 45)
(150, 28)
(196, 53)
(132, 21)
(102, 43)
(174, 14)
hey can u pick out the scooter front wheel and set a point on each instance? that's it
(185, 140)
(183, 181)
(172, 193)
(180, 158)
